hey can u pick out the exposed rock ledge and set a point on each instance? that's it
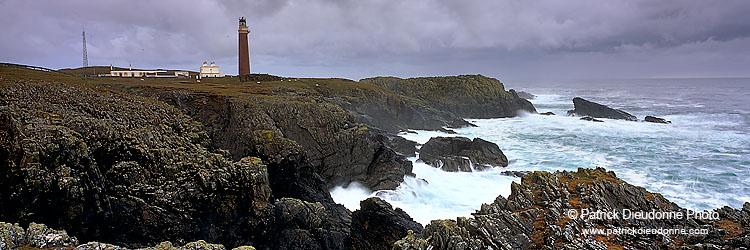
(39, 236)
(536, 216)
(584, 107)
(455, 154)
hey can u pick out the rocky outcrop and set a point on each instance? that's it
(545, 211)
(334, 143)
(134, 171)
(39, 236)
(376, 225)
(526, 95)
(584, 107)
(473, 96)
(461, 154)
(591, 119)
(653, 119)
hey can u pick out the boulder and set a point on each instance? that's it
(547, 113)
(591, 119)
(461, 154)
(654, 119)
(526, 95)
(584, 107)
(403, 146)
(376, 225)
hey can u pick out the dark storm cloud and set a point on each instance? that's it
(506, 39)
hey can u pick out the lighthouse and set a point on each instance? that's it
(244, 54)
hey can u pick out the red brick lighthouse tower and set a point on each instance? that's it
(244, 53)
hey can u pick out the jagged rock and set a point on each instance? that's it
(591, 119)
(376, 225)
(403, 146)
(653, 119)
(584, 107)
(536, 215)
(461, 154)
(526, 95)
(40, 236)
(547, 113)
(134, 171)
(518, 174)
(341, 150)
(11, 236)
(100, 246)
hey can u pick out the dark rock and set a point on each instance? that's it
(653, 119)
(460, 154)
(526, 95)
(376, 225)
(515, 173)
(403, 146)
(134, 171)
(547, 113)
(341, 150)
(583, 107)
(592, 119)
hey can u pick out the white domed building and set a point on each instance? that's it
(210, 70)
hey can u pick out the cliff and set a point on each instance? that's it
(470, 96)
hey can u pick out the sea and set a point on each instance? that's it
(701, 161)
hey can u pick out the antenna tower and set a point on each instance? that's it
(85, 54)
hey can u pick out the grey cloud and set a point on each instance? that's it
(510, 38)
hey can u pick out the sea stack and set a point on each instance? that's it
(244, 53)
(584, 107)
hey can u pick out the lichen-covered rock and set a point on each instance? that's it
(536, 215)
(132, 171)
(584, 107)
(340, 148)
(98, 246)
(461, 154)
(43, 237)
(376, 225)
(11, 235)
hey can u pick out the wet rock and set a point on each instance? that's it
(591, 119)
(461, 154)
(518, 174)
(376, 225)
(653, 119)
(547, 113)
(584, 107)
(403, 146)
(526, 95)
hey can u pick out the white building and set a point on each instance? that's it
(210, 70)
(145, 73)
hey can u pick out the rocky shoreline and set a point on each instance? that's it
(138, 163)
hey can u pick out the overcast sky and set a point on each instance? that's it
(508, 39)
